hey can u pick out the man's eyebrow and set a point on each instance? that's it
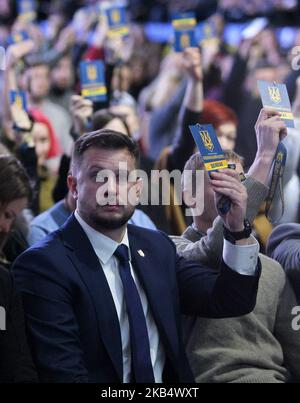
(99, 169)
(96, 167)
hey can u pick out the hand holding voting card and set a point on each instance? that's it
(27, 10)
(92, 76)
(213, 156)
(18, 37)
(275, 96)
(184, 31)
(206, 33)
(21, 119)
(117, 22)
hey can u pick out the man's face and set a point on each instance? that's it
(62, 74)
(38, 83)
(8, 215)
(103, 203)
(227, 136)
(42, 142)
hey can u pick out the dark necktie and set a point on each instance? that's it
(139, 340)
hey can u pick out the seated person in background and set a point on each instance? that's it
(15, 361)
(260, 347)
(48, 153)
(284, 246)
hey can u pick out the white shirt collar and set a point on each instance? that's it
(103, 246)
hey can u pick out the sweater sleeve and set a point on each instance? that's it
(184, 145)
(232, 90)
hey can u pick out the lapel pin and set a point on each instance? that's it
(141, 253)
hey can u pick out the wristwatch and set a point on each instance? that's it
(237, 236)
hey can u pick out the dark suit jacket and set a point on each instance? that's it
(73, 324)
(15, 360)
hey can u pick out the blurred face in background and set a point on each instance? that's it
(38, 82)
(5, 8)
(227, 136)
(122, 78)
(264, 74)
(62, 74)
(41, 137)
(130, 116)
(8, 214)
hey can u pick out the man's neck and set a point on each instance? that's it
(202, 225)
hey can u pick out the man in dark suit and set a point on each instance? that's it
(103, 299)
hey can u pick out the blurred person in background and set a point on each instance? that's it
(15, 361)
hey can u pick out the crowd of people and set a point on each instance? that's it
(136, 291)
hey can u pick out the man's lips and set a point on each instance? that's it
(113, 207)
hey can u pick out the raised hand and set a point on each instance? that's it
(191, 63)
(270, 130)
(227, 183)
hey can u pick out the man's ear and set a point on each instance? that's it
(139, 187)
(72, 185)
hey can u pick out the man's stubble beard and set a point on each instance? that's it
(109, 223)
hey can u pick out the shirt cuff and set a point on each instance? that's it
(241, 258)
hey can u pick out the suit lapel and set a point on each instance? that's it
(86, 262)
(155, 284)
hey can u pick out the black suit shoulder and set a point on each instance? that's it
(156, 237)
(5, 287)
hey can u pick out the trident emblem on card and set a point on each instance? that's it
(115, 16)
(207, 141)
(184, 41)
(92, 72)
(275, 95)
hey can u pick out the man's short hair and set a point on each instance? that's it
(105, 140)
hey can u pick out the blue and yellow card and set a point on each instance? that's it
(209, 147)
(275, 96)
(18, 98)
(17, 37)
(92, 77)
(117, 22)
(184, 31)
(27, 10)
(206, 33)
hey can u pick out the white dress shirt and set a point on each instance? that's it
(104, 248)
(242, 258)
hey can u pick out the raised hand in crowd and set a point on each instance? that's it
(66, 39)
(81, 111)
(227, 183)
(270, 130)
(192, 66)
